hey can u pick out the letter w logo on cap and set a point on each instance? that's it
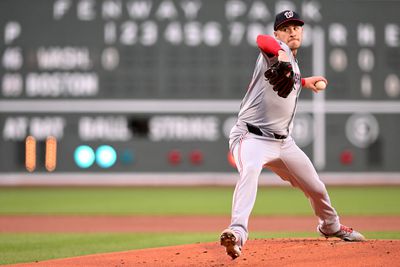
(289, 14)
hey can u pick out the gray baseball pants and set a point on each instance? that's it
(288, 161)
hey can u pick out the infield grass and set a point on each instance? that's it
(190, 201)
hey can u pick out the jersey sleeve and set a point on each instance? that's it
(285, 47)
(268, 45)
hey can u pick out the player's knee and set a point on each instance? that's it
(319, 191)
(251, 169)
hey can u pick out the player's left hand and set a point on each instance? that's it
(280, 76)
(310, 83)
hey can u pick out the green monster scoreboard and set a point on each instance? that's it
(146, 91)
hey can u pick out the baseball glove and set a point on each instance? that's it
(280, 76)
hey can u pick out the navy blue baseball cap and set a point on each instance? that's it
(286, 16)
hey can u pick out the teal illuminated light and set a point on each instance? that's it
(106, 156)
(84, 156)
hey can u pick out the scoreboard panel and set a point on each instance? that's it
(159, 82)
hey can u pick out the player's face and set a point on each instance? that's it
(291, 34)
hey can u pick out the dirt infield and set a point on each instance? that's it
(263, 252)
(267, 252)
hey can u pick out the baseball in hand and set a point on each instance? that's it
(320, 85)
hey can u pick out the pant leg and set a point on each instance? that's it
(250, 155)
(300, 170)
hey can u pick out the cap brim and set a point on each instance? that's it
(289, 20)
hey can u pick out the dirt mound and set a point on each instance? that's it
(263, 252)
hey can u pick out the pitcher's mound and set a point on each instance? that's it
(263, 252)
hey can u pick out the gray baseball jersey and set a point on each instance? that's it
(262, 107)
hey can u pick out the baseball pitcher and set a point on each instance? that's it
(262, 135)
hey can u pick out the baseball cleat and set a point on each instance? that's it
(345, 233)
(230, 241)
